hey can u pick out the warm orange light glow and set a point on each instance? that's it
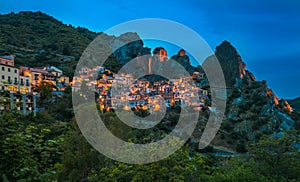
(24, 89)
(126, 108)
(276, 101)
(145, 107)
(156, 107)
(102, 107)
(12, 88)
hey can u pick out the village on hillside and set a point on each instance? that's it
(19, 88)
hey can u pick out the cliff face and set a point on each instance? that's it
(252, 108)
(233, 67)
(128, 51)
(182, 59)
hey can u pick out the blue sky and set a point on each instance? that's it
(265, 33)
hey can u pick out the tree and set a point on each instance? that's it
(278, 156)
(45, 89)
(177, 167)
(270, 159)
(28, 150)
(78, 158)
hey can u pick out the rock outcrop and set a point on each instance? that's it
(233, 67)
(182, 59)
(127, 52)
(252, 108)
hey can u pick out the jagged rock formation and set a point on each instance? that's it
(182, 59)
(252, 108)
(127, 52)
(233, 67)
(160, 54)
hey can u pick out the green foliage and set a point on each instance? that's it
(241, 147)
(142, 113)
(78, 157)
(238, 169)
(277, 156)
(29, 151)
(45, 89)
(271, 159)
(112, 64)
(44, 40)
(178, 167)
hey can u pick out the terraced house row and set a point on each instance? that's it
(19, 85)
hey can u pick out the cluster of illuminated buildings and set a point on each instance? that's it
(19, 85)
(125, 92)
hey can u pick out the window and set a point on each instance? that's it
(8, 79)
(27, 82)
(16, 71)
(8, 69)
(3, 77)
(36, 77)
(16, 81)
(22, 81)
(3, 68)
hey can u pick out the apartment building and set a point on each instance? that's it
(10, 78)
(23, 102)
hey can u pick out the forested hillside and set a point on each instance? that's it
(38, 39)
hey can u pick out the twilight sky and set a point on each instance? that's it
(266, 33)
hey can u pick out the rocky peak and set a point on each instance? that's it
(182, 59)
(129, 47)
(160, 53)
(233, 67)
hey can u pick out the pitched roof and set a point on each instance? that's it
(10, 57)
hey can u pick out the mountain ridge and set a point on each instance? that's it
(253, 109)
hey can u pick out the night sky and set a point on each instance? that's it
(265, 33)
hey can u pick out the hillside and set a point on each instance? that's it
(51, 146)
(38, 39)
(252, 108)
(295, 103)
